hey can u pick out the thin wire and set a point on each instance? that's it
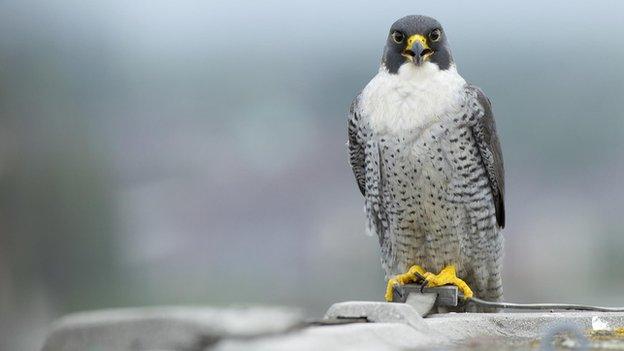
(543, 306)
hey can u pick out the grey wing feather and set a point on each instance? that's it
(484, 132)
(364, 159)
(356, 146)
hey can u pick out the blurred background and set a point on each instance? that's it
(193, 152)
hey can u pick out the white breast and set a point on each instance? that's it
(412, 98)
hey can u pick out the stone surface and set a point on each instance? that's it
(516, 326)
(360, 337)
(378, 312)
(165, 328)
(392, 327)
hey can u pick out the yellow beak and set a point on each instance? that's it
(417, 49)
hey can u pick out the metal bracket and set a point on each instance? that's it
(445, 295)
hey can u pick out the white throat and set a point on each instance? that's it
(413, 98)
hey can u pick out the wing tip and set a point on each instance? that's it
(500, 212)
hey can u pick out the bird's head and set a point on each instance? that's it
(415, 40)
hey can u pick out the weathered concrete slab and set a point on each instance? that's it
(392, 327)
(166, 328)
(518, 326)
(457, 331)
(378, 312)
(357, 337)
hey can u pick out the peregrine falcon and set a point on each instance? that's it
(425, 154)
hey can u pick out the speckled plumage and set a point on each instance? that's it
(425, 154)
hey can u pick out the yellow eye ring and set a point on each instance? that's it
(435, 35)
(398, 37)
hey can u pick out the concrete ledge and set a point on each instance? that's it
(392, 327)
(377, 312)
(357, 337)
(165, 328)
(519, 326)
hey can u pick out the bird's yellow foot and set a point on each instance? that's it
(414, 274)
(447, 276)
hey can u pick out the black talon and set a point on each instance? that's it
(423, 285)
(419, 276)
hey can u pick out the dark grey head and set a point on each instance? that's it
(416, 39)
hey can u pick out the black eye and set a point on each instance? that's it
(435, 35)
(398, 37)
